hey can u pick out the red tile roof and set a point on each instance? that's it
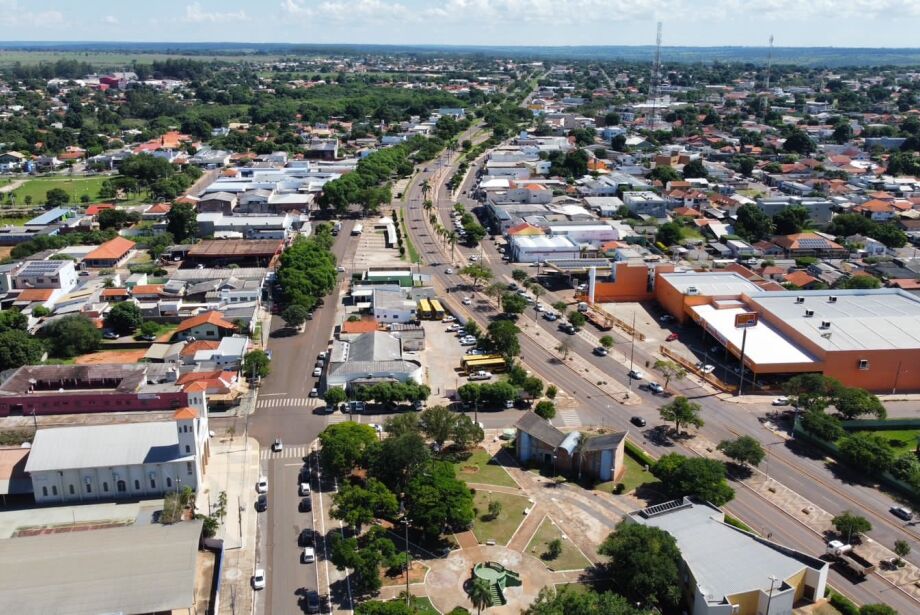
(94, 210)
(185, 413)
(192, 348)
(148, 289)
(212, 318)
(114, 292)
(799, 278)
(114, 249)
(35, 294)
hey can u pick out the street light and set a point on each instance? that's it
(773, 581)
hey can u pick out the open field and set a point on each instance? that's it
(480, 468)
(117, 59)
(76, 187)
(901, 439)
(501, 528)
(107, 357)
(570, 558)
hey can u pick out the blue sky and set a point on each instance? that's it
(838, 23)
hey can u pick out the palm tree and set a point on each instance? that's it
(480, 594)
(563, 348)
(495, 290)
(452, 239)
(426, 188)
(537, 291)
(427, 206)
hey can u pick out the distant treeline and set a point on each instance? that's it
(171, 68)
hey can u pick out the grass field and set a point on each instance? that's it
(570, 558)
(501, 528)
(76, 187)
(116, 59)
(481, 468)
(901, 439)
(423, 606)
(635, 477)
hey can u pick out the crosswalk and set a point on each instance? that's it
(288, 402)
(298, 451)
(566, 418)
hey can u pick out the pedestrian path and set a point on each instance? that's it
(297, 451)
(282, 402)
(566, 418)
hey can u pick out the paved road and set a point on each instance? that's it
(723, 420)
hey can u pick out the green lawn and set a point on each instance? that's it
(76, 187)
(635, 477)
(901, 439)
(502, 527)
(570, 558)
(423, 606)
(482, 468)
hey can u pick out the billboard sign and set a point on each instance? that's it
(745, 320)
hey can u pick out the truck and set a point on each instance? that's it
(336, 228)
(357, 229)
(848, 557)
(598, 317)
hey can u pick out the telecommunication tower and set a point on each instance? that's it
(656, 79)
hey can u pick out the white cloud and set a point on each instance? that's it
(12, 15)
(109, 19)
(345, 10)
(195, 14)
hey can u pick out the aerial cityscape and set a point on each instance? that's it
(506, 307)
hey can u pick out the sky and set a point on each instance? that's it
(794, 23)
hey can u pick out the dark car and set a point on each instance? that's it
(672, 337)
(312, 600)
(306, 505)
(262, 503)
(306, 538)
(638, 421)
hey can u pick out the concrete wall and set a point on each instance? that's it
(90, 484)
(42, 405)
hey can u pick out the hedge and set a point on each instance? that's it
(638, 454)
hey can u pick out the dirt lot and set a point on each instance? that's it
(107, 357)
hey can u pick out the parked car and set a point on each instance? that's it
(314, 392)
(903, 512)
(312, 601)
(467, 301)
(317, 372)
(258, 579)
(110, 335)
(600, 351)
(468, 341)
(277, 446)
(449, 271)
(262, 503)
(340, 269)
(635, 374)
(638, 421)
(781, 401)
(262, 485)
(665, 318)
(304, 489)
(321, 356)
(306, 505)
(550, 316)
(480, 375)
(448, 318)
(671, 337)
(705, 368)
(305, 539)
(309, 555)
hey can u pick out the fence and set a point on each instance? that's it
(690, 366)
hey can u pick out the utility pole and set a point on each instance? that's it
(632, 350)
(773, 581)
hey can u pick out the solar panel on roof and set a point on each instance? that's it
(813, 243)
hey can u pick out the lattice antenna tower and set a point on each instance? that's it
(656, 78)
(769, 64)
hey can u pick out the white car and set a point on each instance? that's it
(448, 318)
(467, 341)
(656, 388)
(706, 369)
(781, 401)
(309, 555)
(467, 301)
(550, 316)
(258, 579)
(449, 271)
(473, 258)
(340, 269)
(481, 375)
(317, 372)
(538, 307)
(262, 485)
(314, 392)
(277, 446)
(636, 374)
(304, 489)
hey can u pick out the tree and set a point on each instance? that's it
(149, 328)
(743, 449)
(607, 341)
(396, 459)
(645, 564)
(334, 396)
(901, 549)
(71, 336)
(843, 132)
(812, 391)
(13, 319)
(790, 220)
(358, 505)
(876, 609)
(681, 411)
(670, 369)
(553, 549)
(867, 451)
(848, 523)
(551, 391)
(256, 362)
(532, 387)
(563, 348)
(668, 233)
(403, 423)
(512, 303)
(822, 425)
(480, 594)
(124, 317)
(495, 509)
(519, 275)
(438, 423)
(664, 174)
(477, 273)
(862, 281)
(344, 446)
(618, 143)
(57, 197)
(752, 224)
(798, 142)
(693, 476)
(561, 306)
(576, 318)
(40, 311)
(503, 337)
(466, 433)
(18, 348)
(388, 607)
(295, 315)
(436, 499)
(182, 222)
(695, 168)
(854, 402)
(545, 410)
(585, 601)
(746, 165)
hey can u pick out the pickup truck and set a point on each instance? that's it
(849, 558)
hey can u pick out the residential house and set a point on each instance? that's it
(11, 162)
(809, 244)
(206, 326)
(60, 275)
(111, 254)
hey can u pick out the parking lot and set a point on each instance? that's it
(372, 252)
(441, 358)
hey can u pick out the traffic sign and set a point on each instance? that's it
(745, 320)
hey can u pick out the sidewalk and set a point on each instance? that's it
(233, 468)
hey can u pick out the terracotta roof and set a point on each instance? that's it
(799, 278)
(113, 249)
(159, 208)
(193, 347)
(525, 229)
(94, 210)
(365, 325)
(35, 294)
(185, 413)
(114, 292)
(791, 242)
(875, 205)
(148, 289)
(212, 318)
(905, 283)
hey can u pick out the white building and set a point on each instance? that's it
(585, 233)
(47, 274)
(121, 460)
(531, 249)
(392, 305)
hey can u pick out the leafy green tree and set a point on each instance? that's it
(876, 609)
(358, 505)
(438, 423)
(295, 315)
(18, 348)
(124, 317)
(437, 500)
(743, 449)
(860, 282)
(512, 303)
(693, 476)
(576, 318)
(545, 409)
(344, 446)
(519, 275)
(681, 411)
(752, 224)
(466, 433)
(792, 219)
(396, 459)
(256, 362)
(334, 396)
(149, 328)
(669, 369)
(822, 425)
(387, 607)
(664, 174)
(645, 564)
(668, 233)
(57, 197)
(585, 601)
(847, 524)
(182, 222)
(553, 549)
(480, 594)
(901, 549)
(40, 311)
(13, 319)
(798, 142)
(117, 218)
(812, 391)
(402, 423)
(855, 402)
(71, 336)
(503, 337)
(607, 341)
(868, 451)
(477, 272)
(532, 387)
(695, 168)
